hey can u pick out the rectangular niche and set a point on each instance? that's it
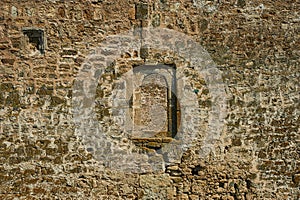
(154, 103)
(34, 39)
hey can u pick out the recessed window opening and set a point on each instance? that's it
(154, 104)
(34, 39)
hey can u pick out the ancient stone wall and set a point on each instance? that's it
(46, 44)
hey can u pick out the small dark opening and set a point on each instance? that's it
(248, 182)
(236, 187)
(196, 169)
(36, 38)
(90, 149)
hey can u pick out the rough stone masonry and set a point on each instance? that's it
(255, 46)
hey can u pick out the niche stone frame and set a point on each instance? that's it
(155, 110)
(123, 110)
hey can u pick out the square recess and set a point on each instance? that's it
(35, 38)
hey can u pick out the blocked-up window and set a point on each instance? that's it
(34, 39)
(155, 109)
(150, 111)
